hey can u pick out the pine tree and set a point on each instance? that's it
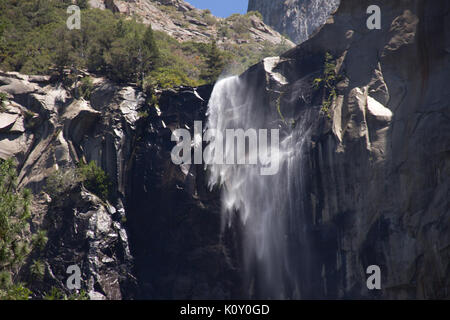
(151, 51)
(83, 4)
(14, 214)
(214, 64)
(149, 54)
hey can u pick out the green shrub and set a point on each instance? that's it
(209, 19)
(142, 114)
(95, 179)
(215, 64)
(54, 294)
(3, 99)
(61, 181)
(165, 78)
(16, 292)
(14, 245)
(241, 24)
(255, 13)
(40, 239)
(38, 269)
(82, 295)
(225, 32)
(58, 294)
(86, 88)
(328, 83)
(133, 55)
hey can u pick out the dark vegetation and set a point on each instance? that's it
(18, 244)
(16, 241)
(3, 99)
(327, 82)
(34, 39)
(90, 175)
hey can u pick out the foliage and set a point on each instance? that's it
(54, 294)
(95, 179)
(14, 213)
(240, 24)
(133, 53)
(16, 292)
(209, 18)
(82, 295)
(278, 103)
(38, 269)
(86, 88)
(215, 64)
(328, 83)
(142, 114)
(255, 13)
(243, 56)
(60, 181)
(92, 177)
(34, 39)
(39, 239)
(3, 99)
(58, 294)
(164, 78)
(14, 246)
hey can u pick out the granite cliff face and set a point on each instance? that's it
(296, 18)
(375, 177)
(184, 22)
(376, 190)
(47, 130)
(151, 240)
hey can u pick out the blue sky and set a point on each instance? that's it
(221, 8)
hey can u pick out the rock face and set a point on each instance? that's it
(86, 232)
(296, 18)
(45, 129)
(376, 173)
(377, 186)
(174, 221)
(160, 234)
(187, 23)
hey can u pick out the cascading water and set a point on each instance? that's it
(269, 206)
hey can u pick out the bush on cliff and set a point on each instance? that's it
(95, 179)
(90, 175)
(327, 82)
(15, 245)
(3, 99)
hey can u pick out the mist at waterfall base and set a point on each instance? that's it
(268, 209)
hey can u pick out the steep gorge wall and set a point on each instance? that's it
(159, 234)
(377, 186)
(377, 172)
(296, 18)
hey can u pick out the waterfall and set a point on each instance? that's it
(269, 207)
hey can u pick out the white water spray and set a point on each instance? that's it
(269, 207)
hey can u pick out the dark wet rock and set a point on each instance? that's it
(377, 171)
